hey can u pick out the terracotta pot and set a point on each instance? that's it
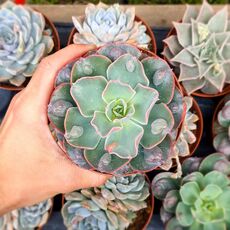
(198, 93)
(150, 200)
(153, 45)
(56, 40)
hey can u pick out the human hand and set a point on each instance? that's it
(32, 166)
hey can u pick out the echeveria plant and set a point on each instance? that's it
(187, 136)
(198, 200)
(112, 206)
(104, 24)
(24, 40)
(115, 110)
(201, 49)
(221, 130)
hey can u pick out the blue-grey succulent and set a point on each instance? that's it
(221, 130)
(201, 49)
(116, 109)
(24, 41)
(112, 206)
(104, 24)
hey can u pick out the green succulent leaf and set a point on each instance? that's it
(115, 88)
(124, 143)
(160, 124)
(214, 226)
(216, 178)
(143, 101)
(87, 93)
(60, 102)
(78, 131)
(94, 65)
(129, 70)
(184, 215)
(224, 201)
(102, 160)
(189, 192)
(173, 224)
(210, 192)
(183, 33)
(148, 159)
(160, 77)
(194, 177)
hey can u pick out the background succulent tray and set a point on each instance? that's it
(207, 106)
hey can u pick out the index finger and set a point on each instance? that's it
(42, 83)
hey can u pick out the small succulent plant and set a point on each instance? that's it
(198, 200)
(114, 110)
(23, 42)
(201, 49)
(104, 24)
(28, 218)
(221, 140)
(112, 206)
(187, 137)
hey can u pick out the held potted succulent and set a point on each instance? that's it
(200, 198)
(103, 24)
(26, 36)
(221, 126)
(198, 48)
(31, 217)
(121, 203)
(118, 118)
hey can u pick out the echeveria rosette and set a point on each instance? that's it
(104, 24)
(24, 41)
(116, 110)
(112, 206)
(200, 198)
(201, 49)
(221, 130)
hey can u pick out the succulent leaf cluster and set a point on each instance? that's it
(115, 110)
(221, 140)
(200, 198)
(201, 49)
(187, 137)
(24, 41)
(28, 218)
(109, 207)
(103, 24)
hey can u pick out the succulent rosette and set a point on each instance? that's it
(201, 49)
(115, 110)
(221, 130)
(200, 198)
(104, 24)
(24, 41)
(113, 206)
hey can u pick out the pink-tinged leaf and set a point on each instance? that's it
(184, 33)
(143, 101)
(190, 12)
(160, 123)
(102, 160)
(78, 130)
(188, 73)
(129, 70)
(94, 65)
(206, 12)
(193, 85)
(184, 57)
(124, 143)
(87, 93)
(116, 89)
(149, 159)
(173, 44)
(103, 125)
(160, 77)
(60, 102)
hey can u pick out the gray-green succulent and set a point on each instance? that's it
(187, 137)
(114, 110)
(103, 24)
(27, 218)
(201, 49)
(112, 206)
(221, 130)
(24, 41)
(200, 199)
